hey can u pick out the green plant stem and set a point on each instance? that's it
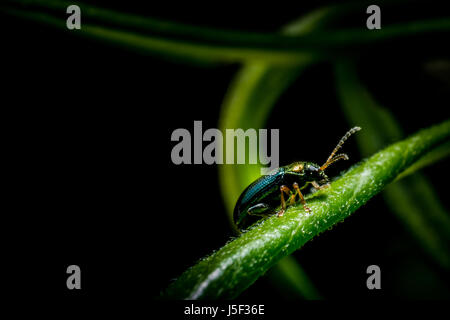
(233, 268)
(435, 155)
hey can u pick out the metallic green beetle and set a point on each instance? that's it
(262, 197)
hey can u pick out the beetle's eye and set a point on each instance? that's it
(298, 168)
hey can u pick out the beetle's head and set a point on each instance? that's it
(314, 173)
(309, 171)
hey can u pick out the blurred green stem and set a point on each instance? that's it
(193, 43)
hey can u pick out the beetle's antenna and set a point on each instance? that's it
(339, 157)
(333, 158)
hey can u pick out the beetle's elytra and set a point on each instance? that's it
(263, 196)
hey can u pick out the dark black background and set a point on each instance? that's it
(92, 183)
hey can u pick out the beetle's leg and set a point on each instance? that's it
(286, 190)
(318, 187)
(302, 199)
(292, 198)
